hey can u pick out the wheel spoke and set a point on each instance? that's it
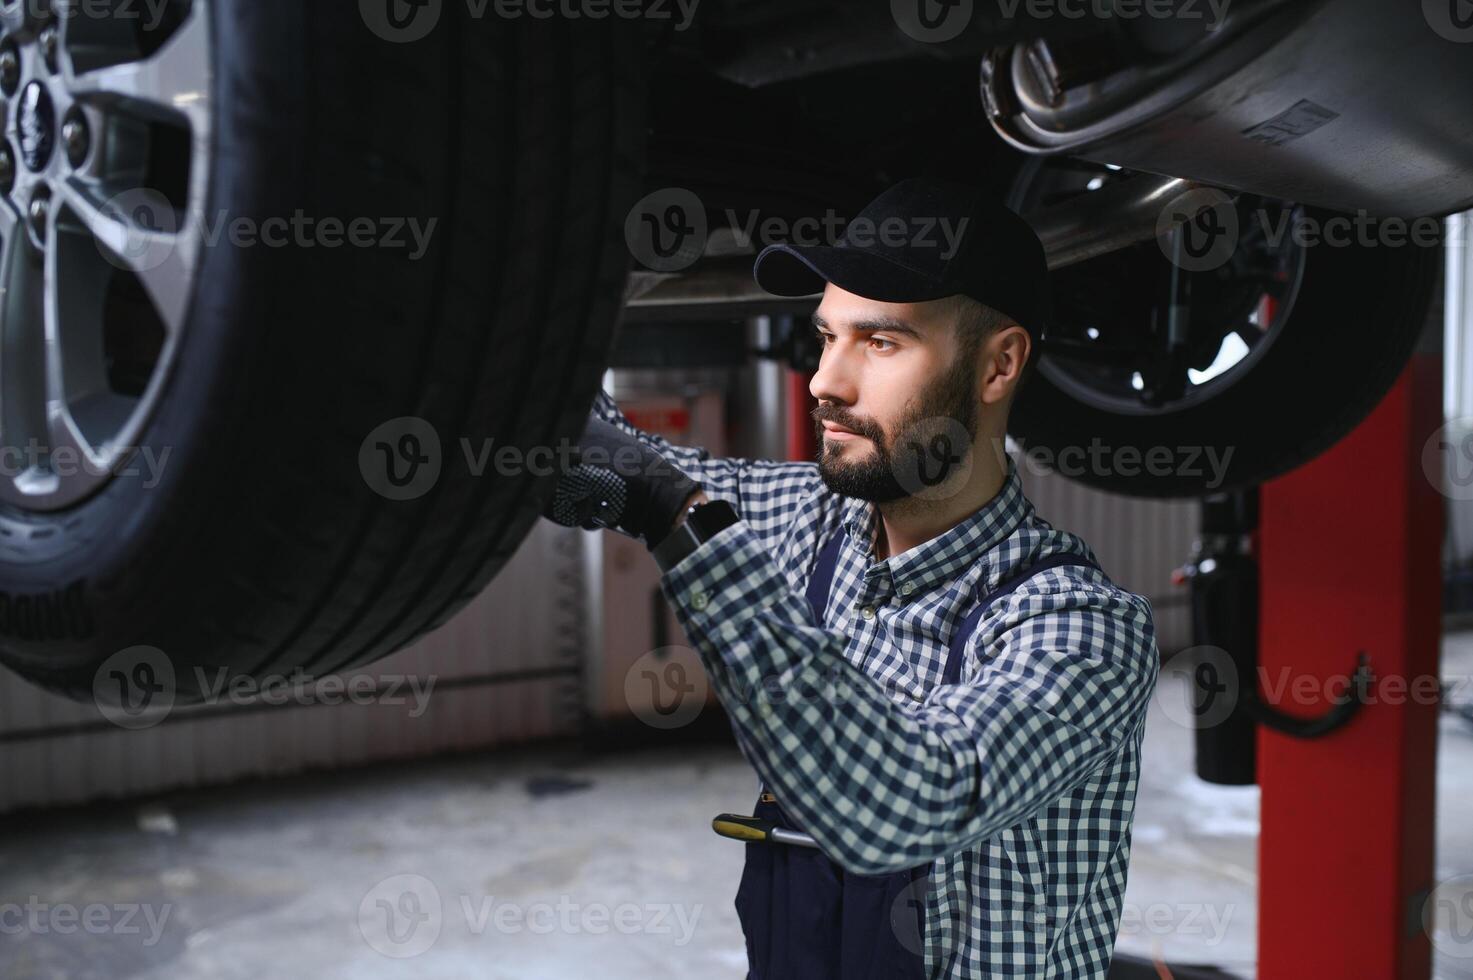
(61, 428)
(161, 259)
(65, 439)
(175, 79)
(11, 233)
(22, 388)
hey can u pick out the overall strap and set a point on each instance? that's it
(823, 575)
(819, 585)
(953, 671)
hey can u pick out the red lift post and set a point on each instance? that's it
(802, 442)
(1350, 560)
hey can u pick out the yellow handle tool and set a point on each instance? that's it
(757, 830)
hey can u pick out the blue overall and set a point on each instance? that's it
(805, 917)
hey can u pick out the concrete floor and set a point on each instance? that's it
(548, 863)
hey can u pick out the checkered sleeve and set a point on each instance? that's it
(883, 785)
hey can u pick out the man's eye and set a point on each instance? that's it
(823, 338)
(882, 340)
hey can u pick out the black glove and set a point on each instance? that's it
(618, 482)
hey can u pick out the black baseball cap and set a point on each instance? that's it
(923, 239)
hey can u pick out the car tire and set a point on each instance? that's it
(275, 538)
(1350, 327)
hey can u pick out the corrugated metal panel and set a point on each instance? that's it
(531, 619)
(1139, 542)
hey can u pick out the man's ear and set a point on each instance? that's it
(1003, 356)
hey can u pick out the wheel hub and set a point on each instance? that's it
(36, 123)
(92, 303)
(1173, 335)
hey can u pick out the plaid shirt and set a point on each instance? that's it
(1019, 783)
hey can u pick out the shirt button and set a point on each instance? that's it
(868, 612)
(906, 588)
(699, 599)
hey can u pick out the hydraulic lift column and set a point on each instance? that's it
(1351, 561)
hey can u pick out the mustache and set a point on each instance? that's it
(824, 413)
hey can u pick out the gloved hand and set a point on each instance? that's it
(618, 482)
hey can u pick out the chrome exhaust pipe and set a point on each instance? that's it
(1116, 216)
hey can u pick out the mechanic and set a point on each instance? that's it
(970, 792)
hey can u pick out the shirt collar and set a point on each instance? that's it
(948, 554)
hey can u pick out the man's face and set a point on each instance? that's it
(890, 372)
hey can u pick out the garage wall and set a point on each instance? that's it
(1138, 542)
(508, 668)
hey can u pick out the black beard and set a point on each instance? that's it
(874, 478)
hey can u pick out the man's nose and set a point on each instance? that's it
(833, 381)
